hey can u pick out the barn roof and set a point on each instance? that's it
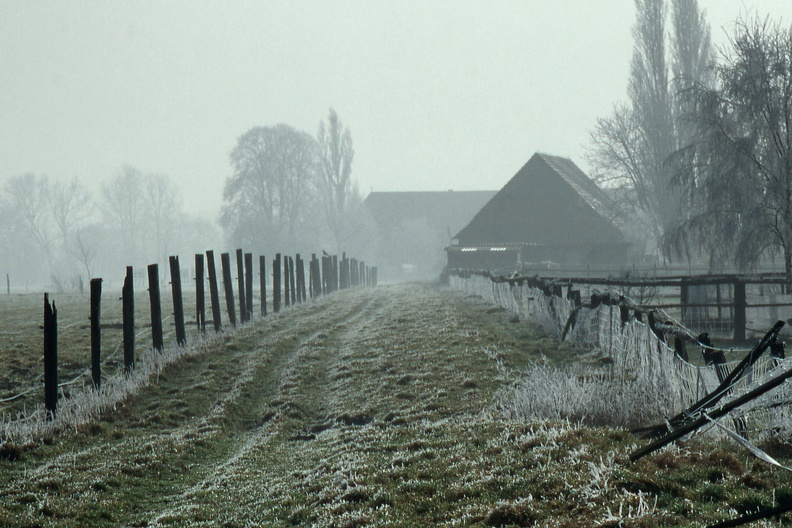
(548, 201)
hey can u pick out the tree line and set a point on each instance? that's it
(699, 158)
(59, 233)
(287, 190)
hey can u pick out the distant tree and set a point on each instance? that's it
(743, 142)
(71, 206)
(633, 148)
(339, 192)
(27, 200)
(274, 172)
(163, 213)
(123, 207)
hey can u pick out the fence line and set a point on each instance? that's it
(294, 290)
(646, 346)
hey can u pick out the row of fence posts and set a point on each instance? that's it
(288, 284)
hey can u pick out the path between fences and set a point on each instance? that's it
(371, 407)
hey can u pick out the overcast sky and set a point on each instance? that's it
(438, 95)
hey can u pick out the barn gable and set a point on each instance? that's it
(550, 211)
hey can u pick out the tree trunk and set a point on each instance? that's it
(788, 269)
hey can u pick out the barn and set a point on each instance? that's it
(411, 229)
(549, 215)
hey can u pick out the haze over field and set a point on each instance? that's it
(437, 95)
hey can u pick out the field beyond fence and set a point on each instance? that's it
(99, 348)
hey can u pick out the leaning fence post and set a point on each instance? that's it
(50, 357)
(286, 284)
(241, 285)
(200, 302)
(156, 307)
(225, 261)
(128, 317)
(249, 286)
(178, 306)
(96, 333)
(213, 290)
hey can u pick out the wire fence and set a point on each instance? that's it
(646, 348)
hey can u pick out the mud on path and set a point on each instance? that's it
(260, 427)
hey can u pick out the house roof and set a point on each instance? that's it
(549, 201)
(446, 210)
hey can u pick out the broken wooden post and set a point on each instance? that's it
(249, 286)
(200, 300)
(128, 318)
(241, 285)
(225, 262)
(50, 357)
(214, 294)
(156, 307)
(178, 306)
(96, 333)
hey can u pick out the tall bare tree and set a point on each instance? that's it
(163, 213)
(633, 148)
(71, 205)
(338, 189)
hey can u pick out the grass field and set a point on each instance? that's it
(367, 408)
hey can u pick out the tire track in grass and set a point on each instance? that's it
(148, 460)
(295, 405)
(369, 390)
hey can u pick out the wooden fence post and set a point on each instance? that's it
(276, 283)
(241, 285)
(128, 318)
(178, 305)
(286, 285)
(200, 301)
(156, 307)
(374, 276)
(225, 261)
(96, 332)
(263, 281)
(8, 284)
(291, 281)
(50, 357)
(213, 291)
(249, 286)
(301, 278)
(334, 273)
(740, 319)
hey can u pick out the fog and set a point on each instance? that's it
(436, 95)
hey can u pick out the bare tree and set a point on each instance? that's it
(71, 207)
(27, 199)
(744, 146)
(164, 213)
(123, 207)
(633, 148)
(274, 173)
(337, 188)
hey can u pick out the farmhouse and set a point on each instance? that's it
(549, 214)
(412, 228)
